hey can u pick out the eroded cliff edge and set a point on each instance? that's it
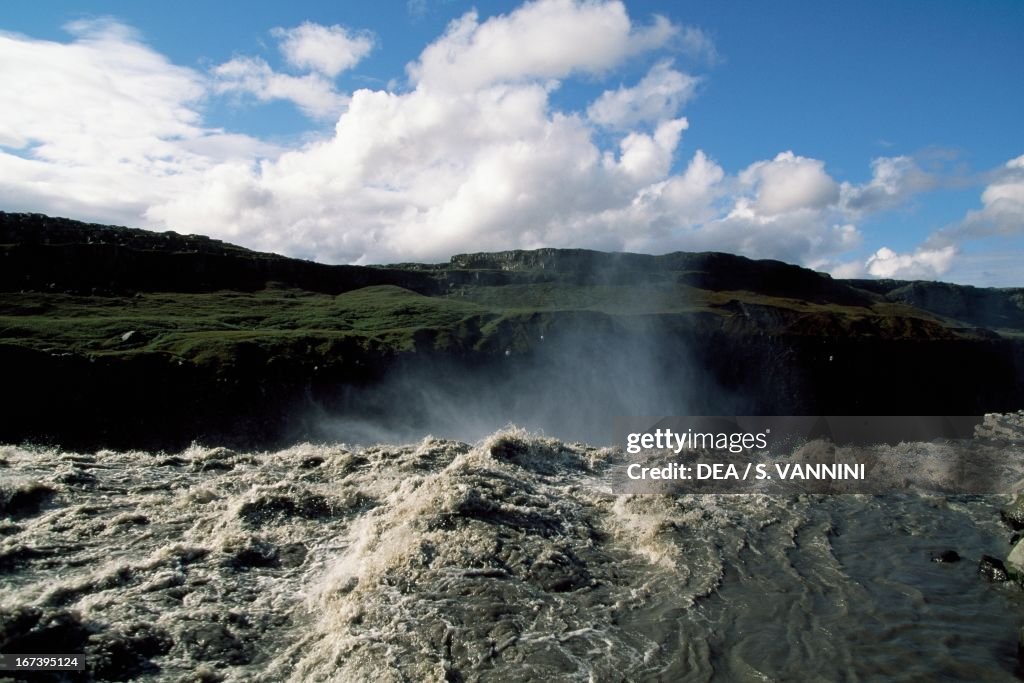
(120, 337)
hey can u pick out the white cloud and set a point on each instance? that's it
(326, 49)
(657, 97)
(1002, 211)
(893, 181)
(101, 97)
(429, 172)
(322, 51)
(647, 158)
(314, 94)
(542, 39)
(474, 156)
(848, 270)
(788, 183)
(698, 44)
(923, 264)
(102, 127)
(1002, 214)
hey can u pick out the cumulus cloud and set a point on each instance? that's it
(789, 183)
(326, 49)
(657, 97)
(322, 51)
(543, 39)
(421, 175)
(472, 156)
(314, 94)
(102, 127)
(922, 264)
(1001, 213)
(893, 181)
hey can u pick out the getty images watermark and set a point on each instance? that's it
(814, 454)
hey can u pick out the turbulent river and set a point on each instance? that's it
(506, 560)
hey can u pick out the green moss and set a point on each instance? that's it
(222, 327)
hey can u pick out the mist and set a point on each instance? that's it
(568, 383)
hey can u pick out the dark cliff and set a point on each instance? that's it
(119, 337)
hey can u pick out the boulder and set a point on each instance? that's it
(1013, 514)
(992, 569)
(947, 556)
(1015, 562)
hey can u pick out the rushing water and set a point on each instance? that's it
(508, 560)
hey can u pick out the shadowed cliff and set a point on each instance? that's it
(121, 337)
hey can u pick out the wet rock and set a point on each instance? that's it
(1015, 562)
(24, 499)
(311, 462)
(1013, 514)
(947, 556)
(992, 569)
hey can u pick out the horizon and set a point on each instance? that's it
(864, 142)
(453, 257)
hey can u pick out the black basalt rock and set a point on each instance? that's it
(992, 569)
(1013, 514)
(947, 557)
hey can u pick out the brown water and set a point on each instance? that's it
(510, 560)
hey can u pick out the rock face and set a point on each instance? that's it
(708, 270)
(1013, 514)
(99, 347)
(1015, 562)
(984, 307)
(40, 253)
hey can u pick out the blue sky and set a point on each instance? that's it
(863, 139)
